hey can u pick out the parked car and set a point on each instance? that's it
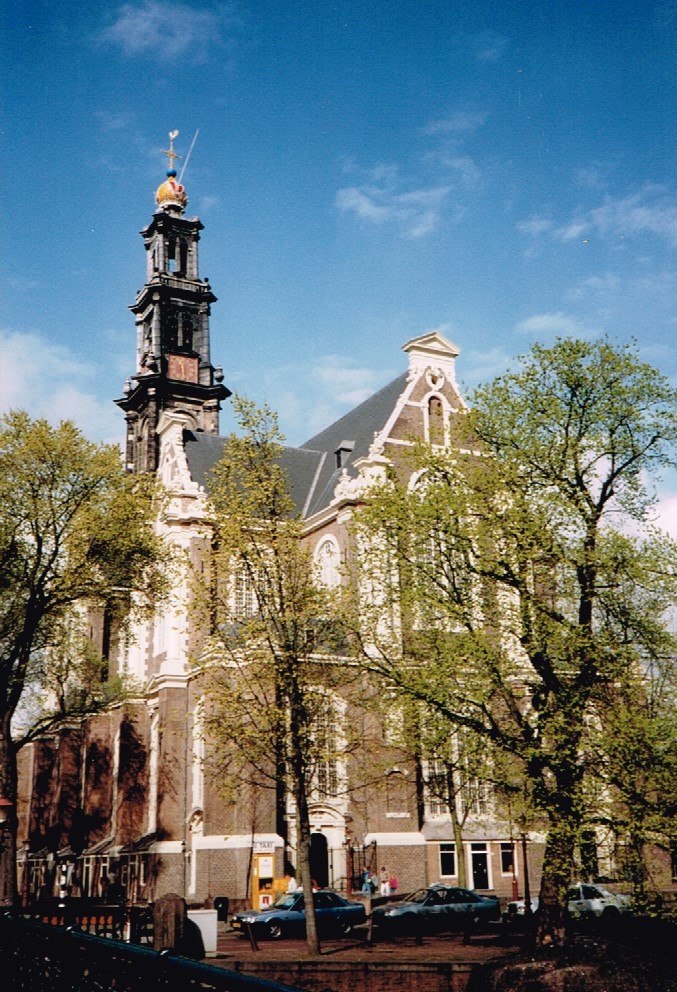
(287, 916)
(583, 901)
(437, 908)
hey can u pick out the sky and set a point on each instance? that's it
(502, 171)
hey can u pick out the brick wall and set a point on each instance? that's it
(332, 976)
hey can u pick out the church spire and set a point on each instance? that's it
(172, 310)
(171, 195)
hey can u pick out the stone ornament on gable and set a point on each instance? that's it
(196, 822)
(377, 446)
(435, 377)
(347, 487)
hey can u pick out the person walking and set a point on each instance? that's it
(384, 878)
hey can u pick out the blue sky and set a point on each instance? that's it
(502, 170)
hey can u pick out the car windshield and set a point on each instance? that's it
(287, 901)
(419, 896)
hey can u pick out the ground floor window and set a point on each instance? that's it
(508, 858)
(448, 860)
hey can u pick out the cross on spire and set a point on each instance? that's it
(171, 154)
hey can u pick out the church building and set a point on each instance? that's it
(129, 793)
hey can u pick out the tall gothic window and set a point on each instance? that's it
(327, 742)
(244, 595)
(436, 787)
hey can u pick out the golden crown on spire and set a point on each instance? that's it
(171, 194)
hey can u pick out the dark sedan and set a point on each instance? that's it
(287, 916)
(437, 908)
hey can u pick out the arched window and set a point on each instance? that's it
(436, 420)
(327, 744)
(245, 603)
(327, 560)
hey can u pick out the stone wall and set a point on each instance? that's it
(378, 976)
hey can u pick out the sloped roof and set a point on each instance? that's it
(311, 468)
(359, 427)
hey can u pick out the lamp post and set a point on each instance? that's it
(527, 892)
(515, 888)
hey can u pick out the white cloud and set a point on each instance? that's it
(535, 226)
(651, 210)
(416, 212)
(605, 285)
(363, 204)
(169, 29)
(332, 385)
(571, 231)
(351, 384)
(462, 122)
(482, 46)
(48, 381)
(551, 325)
(465, 169)
(666, 514)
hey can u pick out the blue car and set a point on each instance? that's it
(334, 915)
(435, 909)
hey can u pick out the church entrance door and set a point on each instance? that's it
(319, 859)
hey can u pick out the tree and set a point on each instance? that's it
(636, 765)
(75, 535)
(270, 681)
(520, 580)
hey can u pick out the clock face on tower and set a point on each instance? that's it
(182, 368)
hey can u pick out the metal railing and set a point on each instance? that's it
(38, 956)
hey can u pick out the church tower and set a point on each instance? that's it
(173, 365)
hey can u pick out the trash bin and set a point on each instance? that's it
(221, 907)
(205, 923)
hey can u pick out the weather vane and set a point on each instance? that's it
(171, 154)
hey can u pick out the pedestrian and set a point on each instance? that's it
(385, 881)
(366, 882)
(393, 884)
(292, 884)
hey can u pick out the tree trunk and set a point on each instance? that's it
(303, 841)
(557, 867)
(452, 800)
(637, 865)
(8, 790)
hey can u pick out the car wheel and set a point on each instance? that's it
(275, 930)
(610, 914)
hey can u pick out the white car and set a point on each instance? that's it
(583, 900)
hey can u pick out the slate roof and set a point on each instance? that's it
(311, 468)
